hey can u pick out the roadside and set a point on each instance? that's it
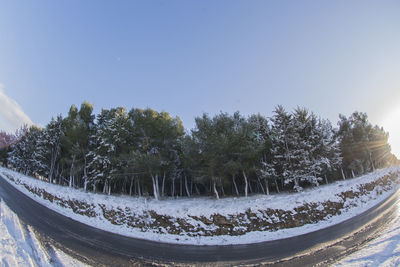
(205, 221)
(384, 250)
(100, 248)
(19, 245)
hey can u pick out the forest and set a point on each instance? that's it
(143, 152)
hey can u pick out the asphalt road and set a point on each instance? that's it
(98, 247)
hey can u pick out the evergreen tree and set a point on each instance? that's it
(362, 145)
(145, 151)
(78, 128)
(157, 137)
(24, 156)
(49, 146)
(284, 142)
(108, 144)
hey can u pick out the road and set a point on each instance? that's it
(97, 247)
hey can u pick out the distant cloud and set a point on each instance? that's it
(12, 116)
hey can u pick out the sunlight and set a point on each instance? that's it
(391, 124)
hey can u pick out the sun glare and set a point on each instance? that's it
(391, 124)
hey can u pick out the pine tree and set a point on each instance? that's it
(284, 148)
(49, 146)
(108, 143)
(23, 155)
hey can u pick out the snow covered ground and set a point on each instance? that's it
(185, 208)
(383, 251)
(20, 247)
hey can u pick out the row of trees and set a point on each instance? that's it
(144, 152)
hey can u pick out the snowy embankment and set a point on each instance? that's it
(205, 221)
(20, 247)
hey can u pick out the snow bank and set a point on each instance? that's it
(205, 221)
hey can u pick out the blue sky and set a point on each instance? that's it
(190, 57)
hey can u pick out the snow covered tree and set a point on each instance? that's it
(49, 146)
(284, 147)
(108, 143)
(304, 148)
(148, 152)
(24, 156)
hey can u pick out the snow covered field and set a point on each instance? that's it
(20, 247)
(187, 209)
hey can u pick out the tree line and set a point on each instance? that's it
(145, 152)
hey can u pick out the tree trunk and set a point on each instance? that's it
(197, 189)
(71, 181)
(296, 183)
(180, 186)
(245, 184)
(326, 179)
(57, 173)
(215, 189)
(155, 192)
(85, 176)
(267, 186)
(250, 188)
(223, 191)
(261, 186)
(234, 183)
(53, 162)
(163, 185)
(105, 187)
(187, 188)
(157, 186)
(138, 188)
(109, 188)
(71, 177)
(130, 187)
(343, 176)
(173, 187)
(372, 162)
(276, 185)
(352, 172)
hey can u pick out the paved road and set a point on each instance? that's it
(98, 247)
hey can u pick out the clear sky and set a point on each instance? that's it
(190, 57)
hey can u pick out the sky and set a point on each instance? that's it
(190, 57)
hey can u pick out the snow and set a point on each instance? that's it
(383, 251)
(20, 247)
(205, 206)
